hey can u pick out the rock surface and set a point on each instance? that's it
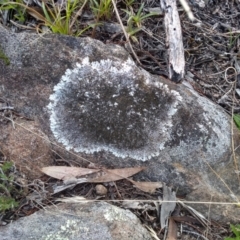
(86, 221)
(29, 151)
(178, 135)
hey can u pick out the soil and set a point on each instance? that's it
(211, 44)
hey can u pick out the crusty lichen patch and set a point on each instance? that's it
(70, 229)
(115, 214)
(112, 106)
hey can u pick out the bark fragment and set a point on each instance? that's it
(174, 43)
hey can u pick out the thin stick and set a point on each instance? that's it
(79, 12)
(124, 31)
(232, 123)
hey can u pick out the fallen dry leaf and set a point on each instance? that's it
(62, 172)
(172, 230)
(167, 207)
(111, 175)
(149, 187)
(94, 175)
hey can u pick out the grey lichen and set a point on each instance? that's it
(70, 229)
(112, 106)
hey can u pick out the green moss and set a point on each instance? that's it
(4, 57)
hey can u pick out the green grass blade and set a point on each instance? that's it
(236, 118)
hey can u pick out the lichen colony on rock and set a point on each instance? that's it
(112, 106)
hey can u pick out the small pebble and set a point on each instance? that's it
(100, 189)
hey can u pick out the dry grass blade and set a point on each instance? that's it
(31, 10)
(76, 199)
(79, 12)
(61, 172)
(124, 31)
(186, 219)
(187, 9)
(152, 232)
(22, 27)
(196, 214)
(36, 13)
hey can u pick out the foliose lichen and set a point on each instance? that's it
(112, 106)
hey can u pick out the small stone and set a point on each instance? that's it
(77, 221)
(101, 190)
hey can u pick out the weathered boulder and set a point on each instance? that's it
(77, 221)
(92, 99)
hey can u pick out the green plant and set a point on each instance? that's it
(129, 2)
(7, 203)
(16, 8)
(59, 18)
(236, 118)
(4, 57)
(56, 20)
(102, 8)
(236, 230)
(134, 22)
(7, 188)
(232, 39)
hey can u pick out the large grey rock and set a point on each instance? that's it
(85, 221)
(111, 112)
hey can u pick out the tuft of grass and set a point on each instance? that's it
(101, 9)
(62, 18)
(16, 8)
(7, 203)
(236, 230)
(129, 3)
(7, 188)
(134, 22)
(59, 18)
(56, 20)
